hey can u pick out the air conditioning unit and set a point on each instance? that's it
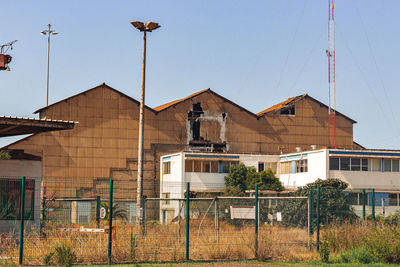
(81, 212)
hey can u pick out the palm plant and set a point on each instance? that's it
(117, 211)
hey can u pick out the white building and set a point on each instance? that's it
(361, 169)
(204, 171)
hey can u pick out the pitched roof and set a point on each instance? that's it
(94, 88)
(281, 105)
(176, 102)
(291, 100)
(164, 107)
(170, 104)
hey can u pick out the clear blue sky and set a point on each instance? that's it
(256, 53)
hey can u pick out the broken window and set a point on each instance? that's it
(261, 166)
(290, 110)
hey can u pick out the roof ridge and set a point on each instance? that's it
(84, 92)
(280, 105)
(172, 103)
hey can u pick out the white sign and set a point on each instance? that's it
(103, 213)
(279, 216)
(243, 212)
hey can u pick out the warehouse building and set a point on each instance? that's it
(104, 143)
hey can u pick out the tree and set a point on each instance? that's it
(266, 180)
(241, 178)
(236, 177)
(334, 204)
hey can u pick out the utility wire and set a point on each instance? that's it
(306, 61)
(377, 69)
(363, 75)
(291, 46)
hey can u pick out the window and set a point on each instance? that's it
(288, 110)
(344, 164)
(334, 163)
(353, 199)
(206, 166)
(167, 167)
(395, 165)
(286, 167)
(301, 166)
(188, 165)
(376, 165)
(225, 166)
(364, 165)
(10, 199)
(393, 198)
(271, 165)
(261, 166)
(166, 195)
(355, 164)
(387, 163)
(214, 166)
(197, 166)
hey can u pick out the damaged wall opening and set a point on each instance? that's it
(193, 116)
(205, 128)
(290, 110)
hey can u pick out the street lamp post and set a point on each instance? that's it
(48, 32)
(143, 27)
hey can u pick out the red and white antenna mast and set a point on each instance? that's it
(331, 76)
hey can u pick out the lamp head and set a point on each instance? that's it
(43, 32)
(138, 25)
(151, 26)
(54, 33)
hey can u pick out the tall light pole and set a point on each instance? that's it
(48, 32)
(143, 27)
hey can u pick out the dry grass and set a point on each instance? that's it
(161, 244)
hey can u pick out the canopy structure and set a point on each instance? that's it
(10, 126)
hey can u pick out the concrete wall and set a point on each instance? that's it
(389, 181)
(15, 169)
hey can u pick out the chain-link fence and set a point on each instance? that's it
(72, 217)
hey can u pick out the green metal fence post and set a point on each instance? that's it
(373, 204)
(363, 203)
(187, 219)
(256, 222)
(318, 218)
(21, 227)
(98, 211)
(110, 215)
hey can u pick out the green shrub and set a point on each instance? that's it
(63, 255)
(48, 257)
(357, 255)
(384, 244)
(324, 251)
